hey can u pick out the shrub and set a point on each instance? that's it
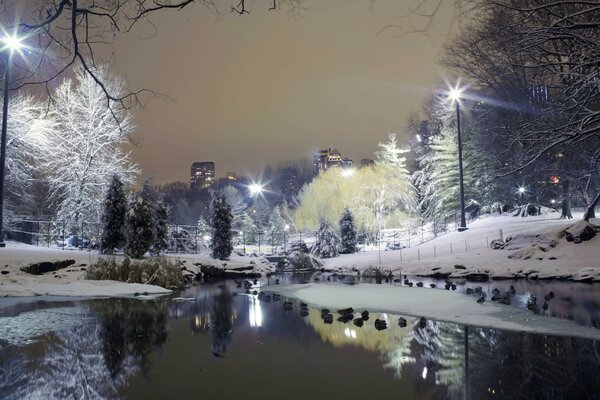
(153, 271)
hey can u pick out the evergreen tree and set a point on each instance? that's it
(348, 232)
(248, 227)
(438, 177)
(140, 225)
(115, 208)
(221, 221)
(276, 226)
(162, 229)
(328, 242)
(202, 226)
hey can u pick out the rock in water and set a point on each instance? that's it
(422, 322)
(481, 300)
(348, 310)
(365, 315)
(359, 322)
(419, 284)
(328, 318)
(402, 322)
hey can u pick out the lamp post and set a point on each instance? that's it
(9, 45)
(455, 95)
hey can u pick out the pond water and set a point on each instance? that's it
(220, 342)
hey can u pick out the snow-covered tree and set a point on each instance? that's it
(327, 244)
(236, 201)
(140, 225)
(202, 226)
(221, 221)
(389, 153)
(276, 227)
(88, 146)
(113, 219)
(248, 227)
(348, 232)
(27, 136)
(161, 242)
(438, 176)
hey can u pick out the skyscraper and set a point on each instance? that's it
(202, 175)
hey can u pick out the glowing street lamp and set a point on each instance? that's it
(9, 44)
(455, 95)
(256, 189)
(347, 172)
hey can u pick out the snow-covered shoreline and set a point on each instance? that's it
(440, 305)
(458, 254)
(70, 281)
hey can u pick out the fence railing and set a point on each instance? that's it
(192, 239)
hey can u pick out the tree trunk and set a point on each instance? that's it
(590, 213)
(566, 202)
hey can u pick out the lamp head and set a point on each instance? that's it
(11, 42)
(255, 189)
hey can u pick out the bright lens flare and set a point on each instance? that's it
(455, 94)
(12, 43)
(255, 189)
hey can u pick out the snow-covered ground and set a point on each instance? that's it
(70, 281)
(469, 249)
(440, 305)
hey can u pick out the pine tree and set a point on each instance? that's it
(140, 225)
(162, 229)
(348, 232)
(276, 226)
(221, 221)
(248, 227)
(328, 242)
(113, 219)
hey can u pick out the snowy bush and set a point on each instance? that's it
(221, 221)
(181, 241)
(155, 271)
(348, 231)
(299, 246)
(298, 260)
(328, 242)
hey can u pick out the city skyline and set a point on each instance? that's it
(263, 88)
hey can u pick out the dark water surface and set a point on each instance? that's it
(222, 343)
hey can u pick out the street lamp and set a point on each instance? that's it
(255, 189)
(10, 44)
(455, 96)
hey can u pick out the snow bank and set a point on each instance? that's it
(537, 248)
(440, 305)
(70, 281)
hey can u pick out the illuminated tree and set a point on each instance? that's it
(87, 147)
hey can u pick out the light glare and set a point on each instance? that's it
(256, 189)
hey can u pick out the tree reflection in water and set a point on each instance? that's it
(88, 361)
(510, 365)
(221, 323)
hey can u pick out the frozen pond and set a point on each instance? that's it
(218, 341)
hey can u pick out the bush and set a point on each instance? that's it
(298, 260)
(154, 271)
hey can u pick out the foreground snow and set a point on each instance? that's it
(469, 249)
(70, 281)
(436, 304)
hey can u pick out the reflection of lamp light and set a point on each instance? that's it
(255, 312)
(553, 201)
(521, 190)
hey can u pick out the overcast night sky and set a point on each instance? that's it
(255, 89)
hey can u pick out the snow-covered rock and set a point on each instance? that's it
(581, 231)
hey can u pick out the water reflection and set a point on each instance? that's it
(115, 342)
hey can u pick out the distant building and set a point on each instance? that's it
(289, 184)
(202, 175)
(365, 162)
(330, 158)
(231, 176)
